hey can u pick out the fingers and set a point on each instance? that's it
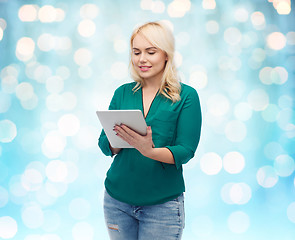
(128, 131)
(120, 132)
(125, 133)
(133, 138)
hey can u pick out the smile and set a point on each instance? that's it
(144, 68)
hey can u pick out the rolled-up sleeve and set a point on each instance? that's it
(103, 141)
(188, 130)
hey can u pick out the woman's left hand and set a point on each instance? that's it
(144, 144)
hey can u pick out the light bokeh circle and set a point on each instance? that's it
(232, 35)
(83, 230)
(4, 197)
(291, 212)
(276, 40)
(24, 91)
(52, 221)
(56, 171)
(236, 193)
(33, 216)
(218, 104)
(235, 131)
(211, 163)
(83, 56)
(53, 144)
(86, 28)
(238, 222)
(284, 165)
(243, 111)
(79, 208)
(8, 227)
(267, 177)
(69, 124)
(258, 99)
(233, 162)
(8, 131)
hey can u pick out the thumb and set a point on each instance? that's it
(149, 130)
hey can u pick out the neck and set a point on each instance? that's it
(152, 83)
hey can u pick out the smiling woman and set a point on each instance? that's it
(146, 182)
(157, 51)
(147, 60)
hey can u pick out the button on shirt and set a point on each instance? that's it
(138, 180)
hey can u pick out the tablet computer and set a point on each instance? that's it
(132, 118)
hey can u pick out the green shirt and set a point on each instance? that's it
(138, 180)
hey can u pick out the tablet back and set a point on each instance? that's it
(132, 118)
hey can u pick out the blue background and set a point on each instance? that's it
(62, 61)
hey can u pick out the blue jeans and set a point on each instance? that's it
(157, 222)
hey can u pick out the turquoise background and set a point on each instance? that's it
(62, 65)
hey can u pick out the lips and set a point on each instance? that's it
(144, 68)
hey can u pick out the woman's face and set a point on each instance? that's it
(148, 61)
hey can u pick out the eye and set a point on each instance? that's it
(151, 53)
(136, 53)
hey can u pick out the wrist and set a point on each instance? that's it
(149, 153)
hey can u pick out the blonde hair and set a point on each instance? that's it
(161, 37)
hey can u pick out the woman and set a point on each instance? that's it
(144, 185)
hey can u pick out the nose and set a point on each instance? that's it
(142, 58)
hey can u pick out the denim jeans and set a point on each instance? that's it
(157, 222)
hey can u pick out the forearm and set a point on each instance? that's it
(161, 154)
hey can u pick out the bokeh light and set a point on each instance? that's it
(4, 197)
(232, 36)
(53, 144)
(258, 20)
(83, 230)
(235, 131)
(52, 221)
(284, 165)
(291, 212)
(238, 222)
(25, 48)
(212, 27)
(79, 208)
(28, 13)
(89, 11)
(243, 111)
(8, 131)
(56, 171)
(1, 34)
(211, 163)
(258, 99)
(33, 216)
(178, 8)
(236, 193)
(233, 162)
(61, 61)
(267, 177)
(86, 28)
(241, 14)
(276, 41)
(209, 4)
(69, 125)
(8, 227)
(83, 56)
